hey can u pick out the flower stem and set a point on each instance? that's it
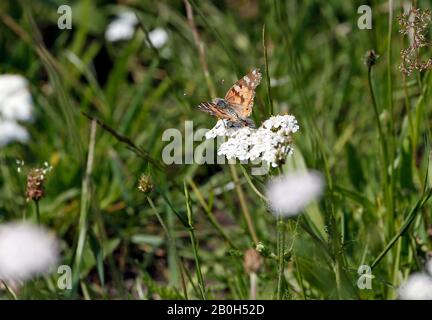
(269, 95)
(253, 278)
(9, 290)
(171, 243)
(86, 196)
(384, 159)
(200, 46)
(391, 140)
(194, 244)
(243, 204)
(281, 250)
(375, 107)
(37, 211)
(251, 184)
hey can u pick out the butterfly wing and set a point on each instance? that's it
(241, 95)
(221, 113)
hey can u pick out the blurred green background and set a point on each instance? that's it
(315, 65)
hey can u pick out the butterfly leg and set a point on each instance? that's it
(224, 124)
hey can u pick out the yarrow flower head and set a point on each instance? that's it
(122, 27)
(158, 37)
(26, 251)
(223, 128)
(418, 286)
(15, 98)
(238, 144)
(289, 194)
(11, 131)
(270, 143)
(15, 105)
(286, 123)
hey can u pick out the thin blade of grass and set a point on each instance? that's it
(407, 222)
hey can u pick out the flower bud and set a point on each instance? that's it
(252, 261)
(145, 183)
(35, 184)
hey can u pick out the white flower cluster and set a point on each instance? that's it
(158, 37)
(270, 143)
(123, 28)
(238, 144)
(26, 251)
(418, 286)
(15, 105)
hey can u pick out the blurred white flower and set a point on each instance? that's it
(26, 251)
(158, 37)
(417, 287)
(270, 143)
(429, 267)
(15, 98)
(289, 194)
(275, 82)
(11, 131)
(122, 27)
(227, 187)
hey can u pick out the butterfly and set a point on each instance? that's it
(237, 105)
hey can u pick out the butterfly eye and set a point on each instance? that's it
(221, 103)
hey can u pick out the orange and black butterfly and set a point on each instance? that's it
(237, 105)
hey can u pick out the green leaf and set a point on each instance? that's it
(406, 172)
(147, 239)
(97, 250)
(355, 170)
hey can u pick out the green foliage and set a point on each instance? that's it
(375, 208)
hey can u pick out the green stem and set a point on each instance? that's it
(253, 284)
(86, 195)
(37, 212)
(251, 184)
(384, 154)
(201, 49)
(171, 243)
(396, 268)
(389, 63)
(243, 205)
(201, 283)
(269, 95)
(375, 108)
(194, 243)
(391, 151)
(281, 250)
(409, 219)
